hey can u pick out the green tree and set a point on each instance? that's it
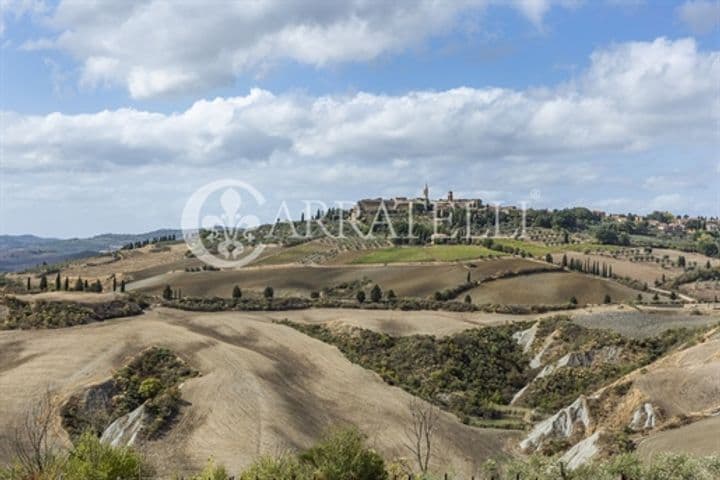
(607, 235)
(43, 282)
(376, 294)
(114, 283)
(549, 258)
(57, 282)
(236, 292)
(468, 299)
(78, 285)
(360, 296)
(607, 298)
(66, 284)
(268, 293)
(391, 295)
(122, 286)
(28, 284)
(573, 300)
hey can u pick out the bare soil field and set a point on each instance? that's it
(623, 267)
(264, 388)
(395, 323)
(706, 291)
(699, 438)
(684, 383)
(132, 264)
(643, 324)
(644, 271)
(550, 288)
(690, 257)
(62, 296)
(412, 280)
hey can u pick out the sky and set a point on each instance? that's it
(112, 114)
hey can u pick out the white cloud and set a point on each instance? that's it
(158, 47)
(633, 96)
(700, 16)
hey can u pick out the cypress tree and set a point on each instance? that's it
(78, 285)
(43, 282)
(57, 281)
(28, 284)
(66, 285)
(376, 294)
(122, 286)
(167, 293)
(114, 283)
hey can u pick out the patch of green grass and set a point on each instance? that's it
(433, 253)
(290, 254)
(540, 250)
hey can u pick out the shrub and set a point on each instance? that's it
(90, 459)
(212, 472)
(271, 468)
(150, 387)
(341, 455)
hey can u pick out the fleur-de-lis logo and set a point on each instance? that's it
(225, 231)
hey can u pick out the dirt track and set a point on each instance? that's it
(265, 388)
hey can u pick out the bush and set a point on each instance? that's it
(150, 387)
(90, 459)
(271, 468)
(343, 455)
(212, 472)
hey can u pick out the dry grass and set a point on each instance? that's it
(265, 388)
(699, 438)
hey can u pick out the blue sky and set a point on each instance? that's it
(113, 114)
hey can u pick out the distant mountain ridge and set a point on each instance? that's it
(19, 252)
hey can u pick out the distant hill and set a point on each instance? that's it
(20, 252)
